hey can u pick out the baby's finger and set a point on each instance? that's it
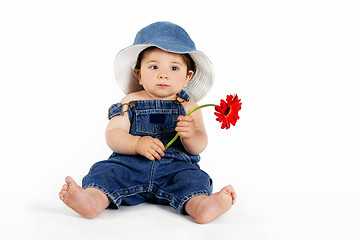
(155, 155)
(159, 144)
(187, 118)
(149, 156)
(180, 129)
(182, 124)
(184, 134)
(157, 151)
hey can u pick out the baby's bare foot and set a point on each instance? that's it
(84, 202)
(207, 208)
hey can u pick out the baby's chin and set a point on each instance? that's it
(164, 93)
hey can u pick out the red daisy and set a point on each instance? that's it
(228, 112)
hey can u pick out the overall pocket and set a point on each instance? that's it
(156, 121)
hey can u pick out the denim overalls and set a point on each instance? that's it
(133, 179)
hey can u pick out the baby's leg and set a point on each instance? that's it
(88, 202)
(205, 208)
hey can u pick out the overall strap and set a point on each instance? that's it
(182, 94)
(181, 97)
(120, 109)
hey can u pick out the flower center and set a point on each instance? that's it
(227, 111)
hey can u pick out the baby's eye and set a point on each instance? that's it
(174, 68)
(153, 67)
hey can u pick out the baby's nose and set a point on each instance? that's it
(163, 76)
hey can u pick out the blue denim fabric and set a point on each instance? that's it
(133, 179)
(167, 36)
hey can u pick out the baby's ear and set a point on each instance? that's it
(137, 74)
(189, 75)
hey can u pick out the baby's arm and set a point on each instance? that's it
(118, 137)
(192, 131)
(121, 141)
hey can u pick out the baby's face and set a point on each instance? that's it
(163, 74)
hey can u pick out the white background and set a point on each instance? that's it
(293, 156)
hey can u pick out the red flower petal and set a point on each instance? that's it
(228, 111)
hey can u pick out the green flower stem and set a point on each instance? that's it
(197, 108)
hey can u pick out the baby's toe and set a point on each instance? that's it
(70, 181)
(228, 190)
(61, 196)
(64, 188)
(63, 191)
(233, 195)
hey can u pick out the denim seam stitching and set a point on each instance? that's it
(170, 199)
(151, 177)
(137, 191)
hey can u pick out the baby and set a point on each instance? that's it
(163, 76)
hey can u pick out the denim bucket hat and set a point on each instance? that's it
(171, 38)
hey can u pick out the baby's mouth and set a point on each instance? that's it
(162, 85)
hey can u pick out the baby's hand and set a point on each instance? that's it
(150, 147)
(186, 126)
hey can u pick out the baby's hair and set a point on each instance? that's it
(190, 64)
